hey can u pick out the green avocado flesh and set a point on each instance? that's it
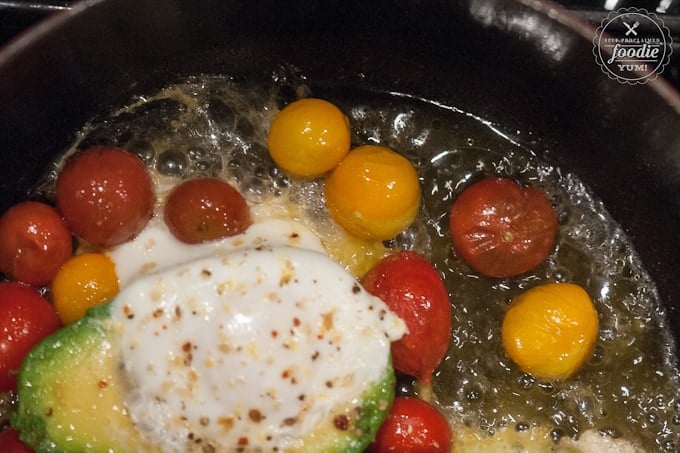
(71, 399)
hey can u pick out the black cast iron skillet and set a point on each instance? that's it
(524, 65)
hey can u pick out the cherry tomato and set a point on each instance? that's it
(413, 426)
(83, 282)
(550, 330)
(412, 289)
(25, 319)
(373, 193)
(105, 195)
(10, 442)
(35, 243)
(502, 229)
(206, 209)
(309, 137)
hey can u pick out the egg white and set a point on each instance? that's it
(156, 249)
(256, 343)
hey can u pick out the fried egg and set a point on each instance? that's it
(253, 346)
(156, 249)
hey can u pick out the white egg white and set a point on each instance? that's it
(253, 343)
(156, 249)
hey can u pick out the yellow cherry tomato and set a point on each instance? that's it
(374, 193)
(83, 282)
(550, 330)
(309, 137)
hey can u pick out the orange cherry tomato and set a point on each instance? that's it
(502, 229)
(83, 282)
(25, 319)
(206, 209)
(35, 243)
(413, 290)
(413, 426)
(105, 195)
(373, 193)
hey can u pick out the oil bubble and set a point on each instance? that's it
(171, 163)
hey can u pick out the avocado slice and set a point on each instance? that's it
(71, 391)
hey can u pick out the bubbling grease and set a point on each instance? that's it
(216, 126)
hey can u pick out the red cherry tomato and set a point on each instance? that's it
(25, 319)
(10, 442)
(412, 289)
(35, 243)
(413, 426)
(502, 229)
(105, 195)
(206, 209)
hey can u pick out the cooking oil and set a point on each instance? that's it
(217, 126)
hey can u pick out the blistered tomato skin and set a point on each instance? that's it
(25, 319)
(206, 209)
(105, 195)
(35, 242)
(550, 330)
(309, 137)
(501, 229)
(413, 426)
(413, 290)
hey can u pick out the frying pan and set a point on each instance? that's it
(523, 65)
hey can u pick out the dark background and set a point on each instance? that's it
(16, 16)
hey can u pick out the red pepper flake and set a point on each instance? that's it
(189, 357)
(227, 423)
(255, 415)
(102, 384)
(289, 421)
(341, 422)
(296, 322)
(243, 441)
(127, 311)
(275, 333)
(327, 320)
(285, 279)
(157, 313)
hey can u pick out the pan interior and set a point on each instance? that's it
(216, 126)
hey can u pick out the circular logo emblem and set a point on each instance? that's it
(632, 46)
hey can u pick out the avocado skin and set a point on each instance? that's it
(64, 349)
(375, 406)
(42, 366)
